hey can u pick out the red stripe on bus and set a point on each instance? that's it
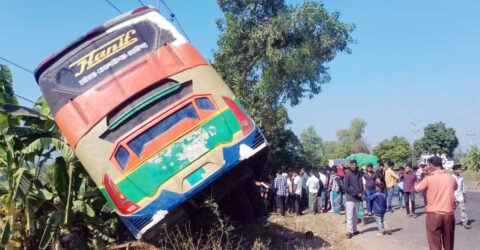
(96, 103)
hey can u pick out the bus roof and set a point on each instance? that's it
(90, 35)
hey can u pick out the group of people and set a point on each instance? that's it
(353, 189)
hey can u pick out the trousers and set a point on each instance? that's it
(463, 214)
(351, 208)
(281, 204)
(381, 223)
(440, 229)
(390, 192)
(369, 193)
(410, 198)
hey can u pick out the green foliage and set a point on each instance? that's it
(437, 140)
(6, 93)
(349, 142)
(396, 150)
(6, 86)
(61, 179)
(7, 231)
(50, 230)
(38, 204)
(471, 160)
(272, 54)
(287, 155)
(312, 147)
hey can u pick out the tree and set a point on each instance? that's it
(45, 190)
(312, 145)
(471, 160)
(6, 93)
(272, 54)
(396, 150)
(349, 142)
(437, 140)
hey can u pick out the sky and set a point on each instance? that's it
(414, 62)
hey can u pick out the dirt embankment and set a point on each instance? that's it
(291, 233)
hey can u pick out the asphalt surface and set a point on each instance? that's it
(410, 233)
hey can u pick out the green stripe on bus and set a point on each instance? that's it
(196, 176)
(145, 180)
(143, 104)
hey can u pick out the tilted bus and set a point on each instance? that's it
(151, 121)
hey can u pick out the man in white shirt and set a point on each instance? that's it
(297, 186)
(460, 197)
(313, 185)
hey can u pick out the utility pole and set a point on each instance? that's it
(415, 130)
(470, 135)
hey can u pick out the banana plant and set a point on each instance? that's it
(44, 190)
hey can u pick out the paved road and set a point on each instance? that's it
(409, 233)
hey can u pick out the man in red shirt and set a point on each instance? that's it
(440, 221)
(408, 179)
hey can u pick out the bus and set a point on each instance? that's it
(151, 121)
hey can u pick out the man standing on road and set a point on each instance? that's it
(390, 179)
(380, 175)
(440, 221)
(304, 201)
(369, 186)
(280, 185)
(313, 185)
(297, 186)
(354, 189)
(323, 183)
(409, 189)
(460, 197)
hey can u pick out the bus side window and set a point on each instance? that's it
(122, 157)
(205, 103)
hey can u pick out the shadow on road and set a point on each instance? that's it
(420, 213)
(396, 230)
(371, 229)
(369, 220)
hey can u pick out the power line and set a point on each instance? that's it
(451, 110)
(24, 98)
(15, 64)
(113, 6)
(21, 67)
(172, 15)
(140, 1)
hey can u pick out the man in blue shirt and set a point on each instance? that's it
(281, 187)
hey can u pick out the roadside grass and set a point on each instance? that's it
(290, 232)
(470, 175)
(472, 180)
(282, 234)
